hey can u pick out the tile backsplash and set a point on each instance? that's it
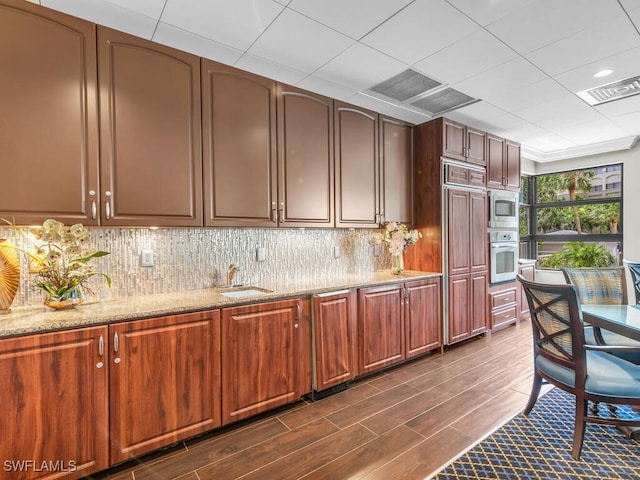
(192, 258)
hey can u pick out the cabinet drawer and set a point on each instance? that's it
(504, 316)
(457, 175)
(477, 178)
(502, 298)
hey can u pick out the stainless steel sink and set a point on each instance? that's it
(243, 292)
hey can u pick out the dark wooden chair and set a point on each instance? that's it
(562, 358)
(634, 270)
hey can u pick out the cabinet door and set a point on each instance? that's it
(305, 159)
(150, 146)
(49, 132)
(460, 308)
(478, 221)
(396, 171)
(478, 303)
(239, 130)
(423, 319)
(260, 354)
(380, 330)
(512, 165)
(453, 140)
(165, 381)
(356, 155)
(476, 146)
(458, 213)
(495, 160)
(54, 401)
(334, 321)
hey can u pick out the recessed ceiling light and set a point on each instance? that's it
(603, 73)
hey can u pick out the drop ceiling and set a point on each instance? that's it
(520, 62)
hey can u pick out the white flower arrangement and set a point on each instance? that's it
(398, 237)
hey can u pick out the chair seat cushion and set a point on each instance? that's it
(611, 338)
(607, 375)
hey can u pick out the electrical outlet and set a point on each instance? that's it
(376, 250)
(261, 254)
(336, 251)
(146, 258)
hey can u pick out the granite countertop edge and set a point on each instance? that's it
(28, 320)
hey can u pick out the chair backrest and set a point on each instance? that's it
(605, 285)
(634, 270)
(556, 320)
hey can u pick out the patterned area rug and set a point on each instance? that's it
(539, 447)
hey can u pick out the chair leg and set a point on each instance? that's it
(580, 425)
(535, 391)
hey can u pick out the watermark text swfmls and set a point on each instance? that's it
(40, 465)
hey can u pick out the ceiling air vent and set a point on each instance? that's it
(442, 101)
(405, 85)
(611, 91)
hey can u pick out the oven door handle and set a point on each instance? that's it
(504, 246)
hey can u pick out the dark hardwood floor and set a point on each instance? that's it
(404, 423)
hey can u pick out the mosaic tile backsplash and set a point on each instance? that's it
(192, 258)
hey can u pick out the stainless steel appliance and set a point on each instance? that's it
(503, 259)
(503, 209)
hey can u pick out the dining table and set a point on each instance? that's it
(623, 320)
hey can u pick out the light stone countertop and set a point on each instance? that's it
(27, 320)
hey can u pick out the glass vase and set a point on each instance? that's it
(398, 264)
(64, 301)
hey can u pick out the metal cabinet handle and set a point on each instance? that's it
(101, 346)
(274, 213)
(281, 211)
(116, 343)
(94, 210)
(107, 207)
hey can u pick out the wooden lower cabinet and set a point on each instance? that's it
(467, 300)
(164, 381)
(503, 305)
(396, 322)
(334, 339)
(265, 363)
(54, 404)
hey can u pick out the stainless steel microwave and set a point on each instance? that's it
(503, 209)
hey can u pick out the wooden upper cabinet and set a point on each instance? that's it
(239, 132)
(463, 143)
(55, 401)
(305, 158)
(150, 135)
(49, 124)
(503, 163)
(512, 165)
(164, 382)
(356, 155)
(396, 170)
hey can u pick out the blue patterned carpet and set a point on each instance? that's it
(539, 447)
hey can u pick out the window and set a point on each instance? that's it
(576, 213)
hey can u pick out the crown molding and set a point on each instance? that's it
(626, 143)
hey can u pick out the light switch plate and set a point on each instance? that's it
(261, 254)
(336, 251)
(376, 250)
(146, 258)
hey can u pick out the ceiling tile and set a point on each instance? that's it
(488, 11)
(325, 87)
(190, 42)
(629, 122)
(421, 29)
(549, 142)
(592, 132)
(624, 65)
(542, 22)
(543, 91)
(299, 42)
(269, 69)
(620, 107)
(630, 4)
(149, 8)
(465, 58)
(354, 18)
(505, 77)
(237, 24)
(587, 46)
(360, 67)
(107, 14)
(560, 111)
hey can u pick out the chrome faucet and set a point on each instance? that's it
(231, 271)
